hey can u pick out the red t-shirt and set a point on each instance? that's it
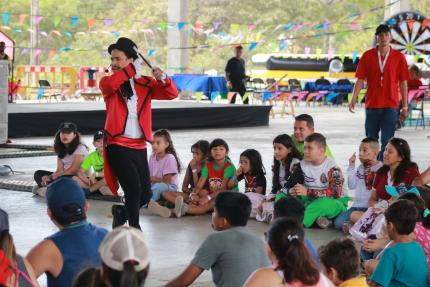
(414, 84)
(395, 71)
(381, 180)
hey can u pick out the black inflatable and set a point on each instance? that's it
(307, 64)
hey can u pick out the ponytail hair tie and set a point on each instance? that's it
(426, 213)
(292, 237)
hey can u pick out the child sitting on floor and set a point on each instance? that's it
(285, 158)
(164, 165)
(362, 181)
(317, 181)
(292, 208)
(232, 253)
(70, 154)
(200, 152)
(95, 182)
(404, 263)
(217, 175)
(341, 263)
(252, 171)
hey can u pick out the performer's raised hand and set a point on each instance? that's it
(158, 74)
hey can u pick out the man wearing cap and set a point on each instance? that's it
(128, 94)
(384, 69)
(64, 254)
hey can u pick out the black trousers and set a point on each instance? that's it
(131, 168)
(39, 174)
(239, 88)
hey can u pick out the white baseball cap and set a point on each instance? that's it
(124, 244)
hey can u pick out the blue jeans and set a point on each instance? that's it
(384, 121)
(160, 187)
(346, 216)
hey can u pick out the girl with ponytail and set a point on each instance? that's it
(292, 262)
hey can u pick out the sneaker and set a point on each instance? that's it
(180, 207)
(41, 191)
(104, 190)
(119, 215)
(323, 222)
(34, 189)
(156, 208)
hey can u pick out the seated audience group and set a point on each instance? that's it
(388, 219)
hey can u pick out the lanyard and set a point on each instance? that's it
(382, 64)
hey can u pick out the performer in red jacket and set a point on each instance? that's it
(128, 127)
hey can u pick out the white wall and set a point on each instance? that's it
(3, 100)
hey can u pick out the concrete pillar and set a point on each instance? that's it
(177, 59)
(4, 70)
(34, 39)
(399, 6)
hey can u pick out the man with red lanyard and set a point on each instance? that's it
(383, 68)
(128, 127)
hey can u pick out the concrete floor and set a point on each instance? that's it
(172, 241)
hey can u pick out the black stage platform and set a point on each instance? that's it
(43, 119)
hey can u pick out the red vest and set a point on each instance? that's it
(216, 177)
(146, 88)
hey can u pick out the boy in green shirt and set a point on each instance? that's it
(95, 182)
(304, 126)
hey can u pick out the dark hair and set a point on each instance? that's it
(126, 278)
(171, 148)
(415, 69)
(255, 161)
(89, 277)
(425, 195)
(403, 150)
(305, 118)
(403, 215)
(370, 140)
(233, 206)
(216, 143)
(317, 138)
(289, 207)
(61, 149)
(287, 142)
(341, 255)
(240, 48)
(202, 146)
(286, 239)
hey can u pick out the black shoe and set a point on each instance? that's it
(119, 215)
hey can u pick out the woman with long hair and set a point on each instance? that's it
(398, 170)
(22, 272)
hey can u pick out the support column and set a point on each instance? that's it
(34, 39)
(4, 70)
(399, 6)
(177, 59)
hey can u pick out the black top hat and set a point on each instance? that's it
(382, 28)
(126, 45)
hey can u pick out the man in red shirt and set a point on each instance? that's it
(384, 69)
(128, 127)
